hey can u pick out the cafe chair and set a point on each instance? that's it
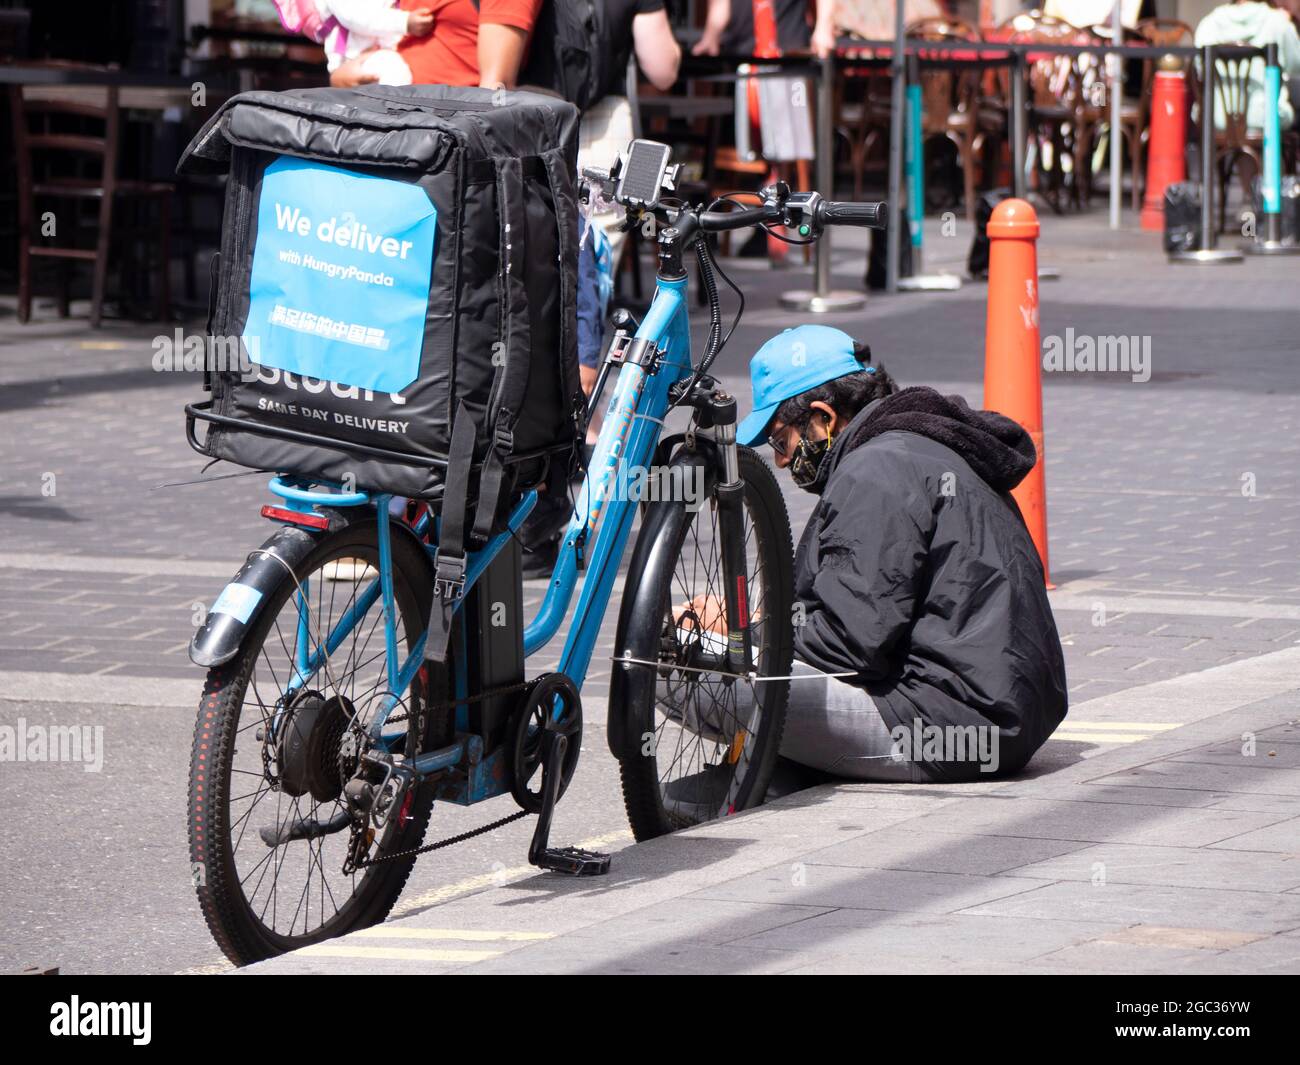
(67, 154)
(1238, 147)
(953, 107)
(1058, 122)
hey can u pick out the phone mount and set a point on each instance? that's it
(638, 178)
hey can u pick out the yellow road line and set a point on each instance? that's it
(1118, 726)
(494, 879)
(343, 950)
(388, 931)
(1099, 737)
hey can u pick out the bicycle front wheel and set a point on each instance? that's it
(702, 744)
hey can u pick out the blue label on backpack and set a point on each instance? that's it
(340, 279)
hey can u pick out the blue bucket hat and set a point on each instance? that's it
(789, 365)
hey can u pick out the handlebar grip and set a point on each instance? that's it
(835, 213)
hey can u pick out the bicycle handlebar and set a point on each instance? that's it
(836, 213)
(719, 221)
(800, 208)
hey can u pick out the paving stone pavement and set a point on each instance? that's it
(1163, 489)
(1124, 862)
(1174, 514)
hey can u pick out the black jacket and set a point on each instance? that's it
(916, 573)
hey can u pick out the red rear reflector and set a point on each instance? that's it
(742, 601)
(294, 517)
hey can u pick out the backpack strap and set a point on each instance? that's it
(450, 561)
(566, 219)
(516, 337)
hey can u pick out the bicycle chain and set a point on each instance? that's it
(411, 852)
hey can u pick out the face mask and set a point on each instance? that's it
(808, 468)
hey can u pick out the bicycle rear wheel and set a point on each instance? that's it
(706, 744)
(261, 764)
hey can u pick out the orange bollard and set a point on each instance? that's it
(1167, 150)
(1013, 368)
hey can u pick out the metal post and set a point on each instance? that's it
(1271, 179)
(822, 298)
(1016, 124)
(1116, 135)
(917, 281)
(1207, 252)
(897, 131)
(825, 166)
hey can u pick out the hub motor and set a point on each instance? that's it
(310, 746)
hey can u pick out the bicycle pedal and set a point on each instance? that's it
(573, 861)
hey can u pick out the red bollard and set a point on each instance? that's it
(1167, 149)
(1013, 367)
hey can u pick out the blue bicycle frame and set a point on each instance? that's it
(598, 532)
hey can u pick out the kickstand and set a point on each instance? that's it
(571, 860)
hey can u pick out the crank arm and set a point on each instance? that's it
(571, 860)
(303, 828)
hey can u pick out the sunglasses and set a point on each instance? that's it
(777, 441)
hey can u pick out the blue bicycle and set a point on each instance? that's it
(324, 738)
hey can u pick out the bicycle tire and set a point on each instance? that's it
(643, 789)
(243, 934)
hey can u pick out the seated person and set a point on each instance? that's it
(1257, 23)
(924, 642)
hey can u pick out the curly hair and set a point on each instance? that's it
(844, 395)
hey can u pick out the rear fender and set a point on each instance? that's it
(241, 602)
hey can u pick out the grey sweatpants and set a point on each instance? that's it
(832, 726)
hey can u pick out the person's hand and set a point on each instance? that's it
(349, 74)
(419, 23)
(706, 612)
(710, 42)
(823, 40)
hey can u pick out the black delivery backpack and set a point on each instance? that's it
(398, 268)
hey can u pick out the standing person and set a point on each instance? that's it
(473, 42)
(777, 108)
(630, 27)
(729, 26)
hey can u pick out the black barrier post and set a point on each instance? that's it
(1207, 252)
(897, 131)
(1016, 123)
(822, 298)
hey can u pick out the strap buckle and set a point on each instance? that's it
(449, 576)
(503, 439)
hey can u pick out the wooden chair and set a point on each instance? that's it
(1095, 112)
(953, 105)
(863, 111)
(1057, 119)
(1236, 143)
(56, 142)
